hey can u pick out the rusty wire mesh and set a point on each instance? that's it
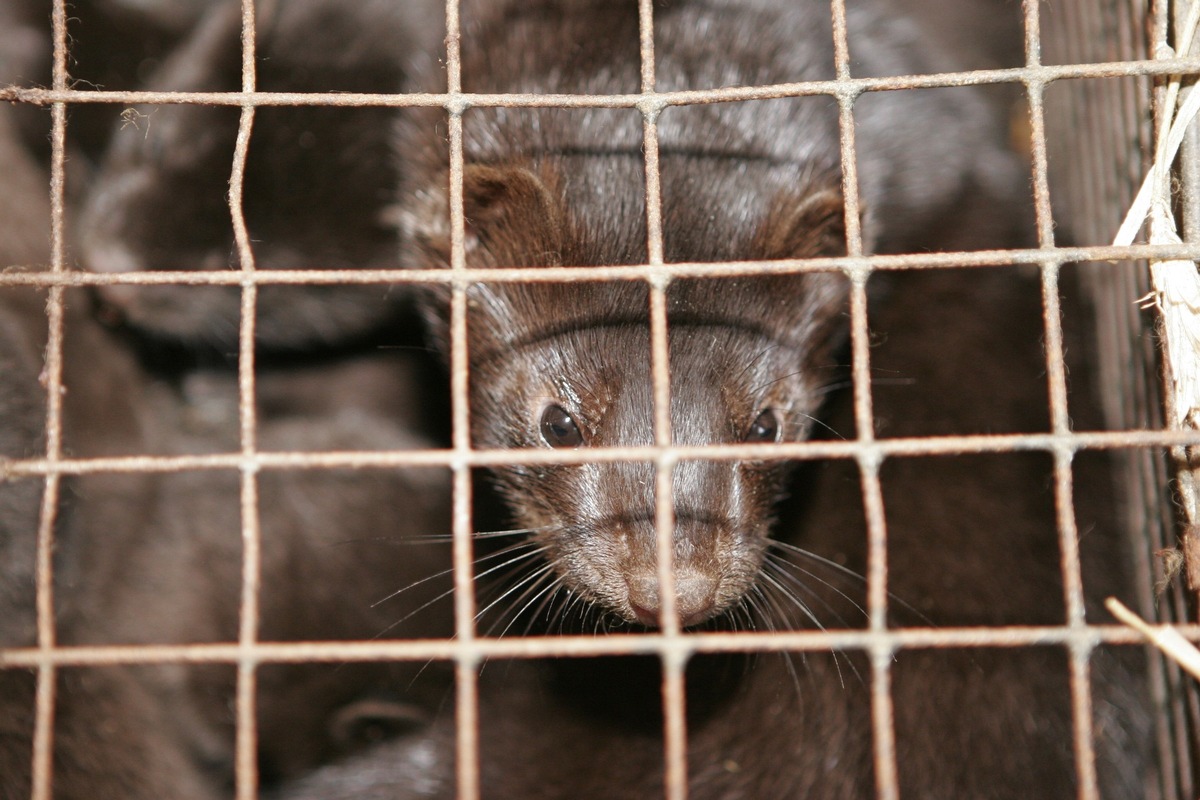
(1138, 435)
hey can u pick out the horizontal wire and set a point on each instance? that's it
(795, 451)
(685, 644)
(835, 87)
(1085, 256)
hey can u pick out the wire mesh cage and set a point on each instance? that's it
(252, 511)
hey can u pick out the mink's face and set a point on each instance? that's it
(591, 387)
(567, 365)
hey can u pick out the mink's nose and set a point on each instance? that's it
(695, 599)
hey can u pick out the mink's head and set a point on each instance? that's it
(567, 365)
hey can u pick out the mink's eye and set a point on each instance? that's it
(559, 429)
(765, 428)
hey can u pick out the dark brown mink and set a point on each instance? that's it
(148, 558)
(156, 558)
(972, 542)
(113, 46)
(159, 559)
(972, 539)
(318, 180)
(145, 764)
(567, 365)
(145, 558)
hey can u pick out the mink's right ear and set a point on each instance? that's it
(514, 217)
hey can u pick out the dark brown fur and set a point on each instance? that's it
(134, 761)
(984, 558)
(972, 541)
(156, 558)
(336, 545)
(317, 180)
(593, 349)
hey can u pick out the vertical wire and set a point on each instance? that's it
(43, 734)
(466, 664)
(674, 695)
(1080, 649)
(246, 763)
(882, 706)
(1035, 89)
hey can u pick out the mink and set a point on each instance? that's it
(972, 542)
(318, 180)
(567, 365)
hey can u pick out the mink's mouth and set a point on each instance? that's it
(649, 618)
(708, 584)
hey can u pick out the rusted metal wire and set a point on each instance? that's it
(43, 733)
(714, 269)
(684, 645)
(673, 664)
(1044, 73)
(795, 451)
(246, 742)
(1080, 651)
(883, 726)
(1102, 137)
(466, 665)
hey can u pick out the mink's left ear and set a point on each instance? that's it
(810, 224)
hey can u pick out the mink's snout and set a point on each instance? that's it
(613, 559)
(705, 565)
(695, 598)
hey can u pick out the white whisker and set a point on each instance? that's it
(528, 583)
